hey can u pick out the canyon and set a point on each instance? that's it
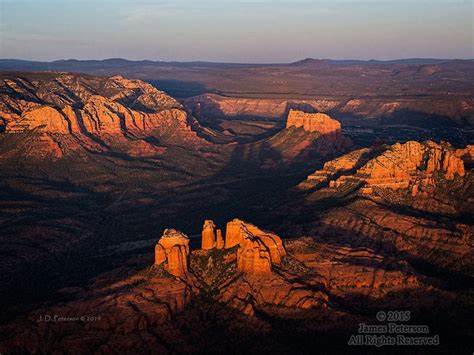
(275, 223)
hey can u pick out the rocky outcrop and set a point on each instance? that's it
(466, 154)
(437, 242)
(172, 251)
(208, 235)
(258, 250)
(341, 165)
(253, 257)
(43, 119)
(355, 270)
(120, 311)
(411, 165)
(219, 240)
(234, 234)
(94, 114)
(243, 274)
(314, 122)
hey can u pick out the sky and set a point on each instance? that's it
(265, 31)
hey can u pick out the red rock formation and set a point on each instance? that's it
(234, 233)
(466, 154)
(208, 235)
(109, 113)
(403, 165)
(343, 164)
(173, 250)
(258, 250)
(219, 240)
(364, 221)
(314, 122)
(43, 119)
(356, 270)
(253, 257)
(210, 105)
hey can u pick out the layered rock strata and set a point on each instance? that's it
(62, 113)
(411, 165)
(314, 122)
(341, 165)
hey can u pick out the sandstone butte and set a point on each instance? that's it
(314, 122)
(412, 165)
(255, 253)
(172, 250)
(257, 250)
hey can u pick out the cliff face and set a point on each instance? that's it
(209, 235)
(68, 112)
(172, 250)
(410, 198)
(410, 165)
(314, 122)
(212, 105)
(258, 250)
(373, 108)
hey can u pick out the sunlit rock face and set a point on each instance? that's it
(412, 165)
(208, 235)
(173, 250)
(314, 122)
(253, 256)
(258, 249)
(219, 240)
(61, 113)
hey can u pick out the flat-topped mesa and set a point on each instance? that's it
(258, 250)
(208, 235)
(314, 122)
(173, 250)
(411, 164)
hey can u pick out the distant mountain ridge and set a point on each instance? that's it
(66, 64)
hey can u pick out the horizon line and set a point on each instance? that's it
(225, 62)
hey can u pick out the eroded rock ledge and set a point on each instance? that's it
(411, 165)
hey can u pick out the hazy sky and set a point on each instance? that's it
(236, 30)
